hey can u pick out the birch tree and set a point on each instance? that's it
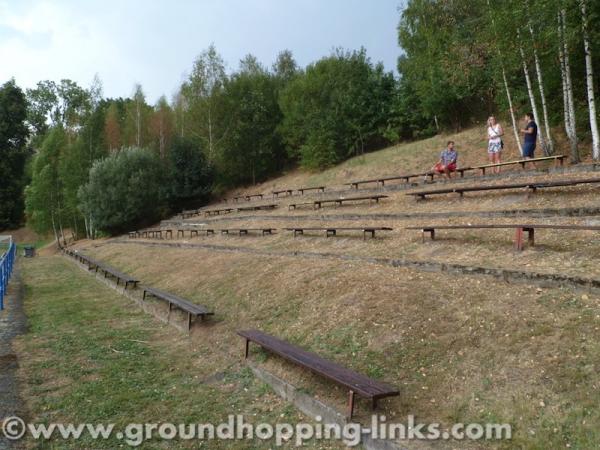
(567, 86)
(531, 94)
(589, 75)
(549, 149)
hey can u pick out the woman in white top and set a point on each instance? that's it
(495, 144)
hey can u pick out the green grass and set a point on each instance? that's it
(91, 356)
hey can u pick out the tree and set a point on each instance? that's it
(161, 126)
(44, 198)
(337, 108)
(191, 177)
(123, 190)
(203, 91)
(589, 75)
(13, 137)
(252, 149)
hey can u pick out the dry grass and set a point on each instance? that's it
(461, 349)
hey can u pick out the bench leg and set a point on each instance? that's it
(247, 348)
(189, 322)
(350, 404)
(531, 236)
(169, 313)
(519, 239)
(374, 403)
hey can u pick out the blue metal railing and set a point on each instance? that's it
(7, 261)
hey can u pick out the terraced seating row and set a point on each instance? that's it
(185, 305)
(558, 159)
(520, 229)
(530, 186)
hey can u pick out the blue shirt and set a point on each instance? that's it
(448, 156)
(531, 138)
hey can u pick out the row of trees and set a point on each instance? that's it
(109, 164)
(466, 58)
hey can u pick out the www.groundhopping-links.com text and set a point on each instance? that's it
(236, 428)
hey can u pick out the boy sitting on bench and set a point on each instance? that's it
(447, 162)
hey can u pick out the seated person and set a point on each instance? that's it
(447, 162)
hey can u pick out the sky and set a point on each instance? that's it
(155, 42)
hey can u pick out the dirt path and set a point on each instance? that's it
(12, 323)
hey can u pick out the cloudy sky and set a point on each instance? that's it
(154, 42)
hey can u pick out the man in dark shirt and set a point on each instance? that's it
(529, 137)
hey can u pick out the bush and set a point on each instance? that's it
(123, 190)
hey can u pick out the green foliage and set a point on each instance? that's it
(336, 109)
(13, 135)
(191, 177)
(252, 149)
(124, 189)
(44, 199)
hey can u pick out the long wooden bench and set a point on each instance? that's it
(190, 213)
(317, 204)
(153, 232)
(282, 191)
(530, 186)
(356, 383)
(381, 180)
(196, 232)
(173, 300)
(217, 212)
(247, 197)
(520, 230)
(244, 231)
(332, 231)
(107, 270)
(311, 188)
(558, 160)
(257, 208)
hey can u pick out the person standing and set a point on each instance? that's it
(495, 144)
(529, 137)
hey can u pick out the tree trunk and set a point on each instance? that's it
(532, 97)
(210, 137)
(565, 73)
(590, 82)
(538, 69)
(512, 112)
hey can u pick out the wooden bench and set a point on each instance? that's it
(190, 213)
(257, 207)
(173, 300)
(283, 191)
(356, 383)
(558, 160)
(332, 231)
(247, 197)
(107, 270)
(312, 188)
(205, 231)
(317, 204)
(153, 232)
(531, 187)
(217, 212)
(520, 229)
(244, 231)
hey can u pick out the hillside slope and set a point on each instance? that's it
(461, 347)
